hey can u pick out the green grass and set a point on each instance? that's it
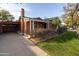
(66, 44)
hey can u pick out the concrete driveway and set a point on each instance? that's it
(13, 44)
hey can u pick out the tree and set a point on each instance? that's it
(71, 14)
(5, 15)
(56, 21)
(60, 25)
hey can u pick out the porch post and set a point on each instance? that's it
(1, 29)
(30, 26)
(24, 26)
(1, 26)
(33, 25)
(48, 25)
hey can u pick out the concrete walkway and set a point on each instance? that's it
(13, 44)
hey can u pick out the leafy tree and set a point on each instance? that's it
(5, 15)
(56, 21)
(59, 24)
(71, 14)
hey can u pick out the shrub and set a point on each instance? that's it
(61, 29)
(78, 32)
(77, 29)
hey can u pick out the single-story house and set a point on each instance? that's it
(26, 25)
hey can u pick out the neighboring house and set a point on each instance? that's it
(27, 25)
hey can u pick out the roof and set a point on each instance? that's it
(36, 19)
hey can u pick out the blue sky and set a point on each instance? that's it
(43, 10)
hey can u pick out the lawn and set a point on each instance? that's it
(66, 44)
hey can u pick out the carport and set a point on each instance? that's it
(9, 26)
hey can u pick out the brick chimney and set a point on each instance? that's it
(22, 12)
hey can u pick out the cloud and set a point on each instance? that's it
(14, 8)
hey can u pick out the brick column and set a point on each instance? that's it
(25, 26)
(22, 20)
(21, 25)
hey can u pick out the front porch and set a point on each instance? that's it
(34, 26)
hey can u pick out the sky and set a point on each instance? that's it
(43, 10)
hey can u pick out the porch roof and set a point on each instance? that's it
(36, 19)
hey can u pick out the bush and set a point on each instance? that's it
(78, 32)
(61, 29)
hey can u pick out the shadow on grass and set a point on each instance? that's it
(67, 36)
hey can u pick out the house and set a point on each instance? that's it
(26, 25)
